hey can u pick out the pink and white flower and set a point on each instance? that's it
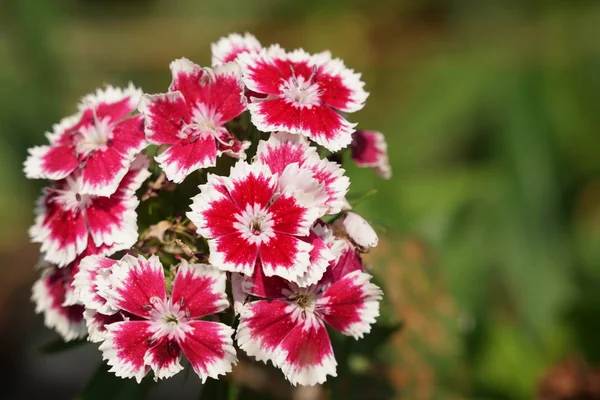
(50, 293)
(288, 325)
(229, 47)
(304, 94)
(254, 215)
(190, 118)
(167, 325)
(67, 218)
(99, 142)
(369, 149)
(283, 149)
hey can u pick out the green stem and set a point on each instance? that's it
(364, 197)
(232, 393)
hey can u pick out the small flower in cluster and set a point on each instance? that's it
(99, 142)
(304, 94)
(151, 328)
(67, 218)
(253, 214)
(190, 118)
(287, 324)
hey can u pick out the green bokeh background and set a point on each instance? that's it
(491, 110)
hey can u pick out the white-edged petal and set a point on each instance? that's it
(229, 47)
(63, 319)
(351, 304)
(209, 349)
(111, 94)
(308, 192)
(91, 283)
(124, 347)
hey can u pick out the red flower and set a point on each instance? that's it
(288, 326)
(98, 143)
(303, 94)
(254, 214)
(67, 219)
(162, 326)
(190, 118)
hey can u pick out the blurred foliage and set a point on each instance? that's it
(492, 219)
(105, 385)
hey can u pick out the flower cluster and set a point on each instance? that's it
(274, 230)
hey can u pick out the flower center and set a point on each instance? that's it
(300, 91)
(255, 224)
(304, 298)
(168, 318)
(96, 137)
(302, 305)
(69, 197)
(204, 120)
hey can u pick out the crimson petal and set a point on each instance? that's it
(137, 284)
(209, 348)
(124, 348)
(199, 289)
(351, 304)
